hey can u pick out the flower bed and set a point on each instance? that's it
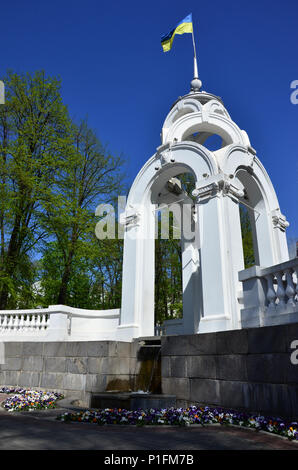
(185, 417)
(26, 400)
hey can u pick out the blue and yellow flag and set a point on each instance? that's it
(185, 26)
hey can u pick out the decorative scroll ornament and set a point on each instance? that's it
(279, 221)
(167, 157)
(212, 189)
(209, 190)
(130, 217)
(230, 189)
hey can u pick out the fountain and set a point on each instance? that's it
(146, 391)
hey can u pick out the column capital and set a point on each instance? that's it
(216, 185)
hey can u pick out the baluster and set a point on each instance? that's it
(27, 322)
(39, 321)
(10, 322)
(271, 296)
(34, 321)
(44, 322)
(280, 292)
(290, 289)
(21, 322)
(17, 322)
(5, 322)
(2, 322)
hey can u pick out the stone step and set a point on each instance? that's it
(132, 400)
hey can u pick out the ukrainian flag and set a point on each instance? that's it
(185, 26)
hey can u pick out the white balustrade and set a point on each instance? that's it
(270, 295)
(58, 323)
(285, 294)
(32, 322)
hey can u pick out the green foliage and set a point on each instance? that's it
(34, 137)
(247, 239)
(53, 173)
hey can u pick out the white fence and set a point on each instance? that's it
(58, 323)
(270, 295)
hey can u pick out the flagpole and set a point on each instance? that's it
(195, 63)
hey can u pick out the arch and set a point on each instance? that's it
(137, 312)
(190, 156)
(188, 124)
(270, 245)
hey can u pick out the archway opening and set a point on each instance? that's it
(169, 249)
(247, 236)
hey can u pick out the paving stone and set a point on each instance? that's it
(293, 401)
(54, 349)
(52, 381)
(32, 363)
(267, 368)
(10, 377)
(231, 394)
(12, 363)
(291, 335)
(269, 339)
(54, 364)
(180, 387)
(97, 348)
(270, 399)
(165, 366)
(97, 365)
(178, 366)
(32, 348)
(74, 381)
(13, 349)
(119, 349)
(96, 383)
(29, 379)
(188, 345)
(232, 342)
(231, 367)
(76, 365)
(205, 391)
(76, 349)
(201, 367)
(119, 365)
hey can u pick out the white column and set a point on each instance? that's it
(192, 291)
(221, 254)
(137, 304)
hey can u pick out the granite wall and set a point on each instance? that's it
(243, 369)
(78, 369)
(246, 369)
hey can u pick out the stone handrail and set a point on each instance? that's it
(270, 295)
(57, 323)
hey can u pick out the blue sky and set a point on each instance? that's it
(113, 70)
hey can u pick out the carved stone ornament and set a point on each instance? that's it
(280, 221)
(209, 190)
(129, 217)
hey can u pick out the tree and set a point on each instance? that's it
(34, 138)
(91, 176)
